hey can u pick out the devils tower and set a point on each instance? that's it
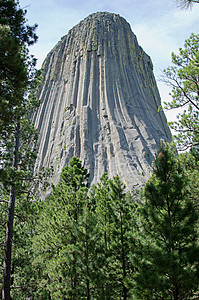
(100, 103)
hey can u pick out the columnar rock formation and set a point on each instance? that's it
(100, 103)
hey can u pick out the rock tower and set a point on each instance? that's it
(100, 103)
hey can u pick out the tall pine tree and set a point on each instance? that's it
(62, 230)
(168, 252)
(16, 78)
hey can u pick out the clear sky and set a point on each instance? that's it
(161, 27)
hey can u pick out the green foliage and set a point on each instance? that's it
(15, 72)
(19, 84)
(183, 78)
(58, 236)
(73, 174)
(22, 275)
(121, 246)
(21, 271)
(17, 134)
(82, 243)
(190, 162)
(99, 244)
(168, 252)
(104, 244)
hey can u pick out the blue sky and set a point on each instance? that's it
(160, 26)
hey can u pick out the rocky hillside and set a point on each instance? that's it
(100, 102)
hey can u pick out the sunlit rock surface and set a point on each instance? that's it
(100, 103)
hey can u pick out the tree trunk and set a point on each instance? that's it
(175, 291)
(123, 259)
(9, 226)
(88, 289)
(87, 266)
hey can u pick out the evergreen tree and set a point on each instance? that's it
(16, 79)
(115, 222)
(100, 195)
(82, 243)
(15, 36)
(60, 234)
(121, 246)
(22, 272)
(183, 78)
(88, 253)
(190, 162)
(168, 252)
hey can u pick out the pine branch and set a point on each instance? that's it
(2, 200)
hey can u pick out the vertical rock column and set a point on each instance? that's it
(100, 103)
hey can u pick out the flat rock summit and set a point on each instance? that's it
(100, 103)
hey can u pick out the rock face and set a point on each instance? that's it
(100, 103)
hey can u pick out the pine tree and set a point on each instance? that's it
(102, 203)
(58, 235)
(115, 221)
(15, 36)
(88, 253)
(22, 272)
(168, 253)
(121, 247)
(183, 79)
(190, 162)
(16, 78)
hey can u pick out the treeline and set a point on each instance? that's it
(106, 243)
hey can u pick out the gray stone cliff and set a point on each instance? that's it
(100, 103)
